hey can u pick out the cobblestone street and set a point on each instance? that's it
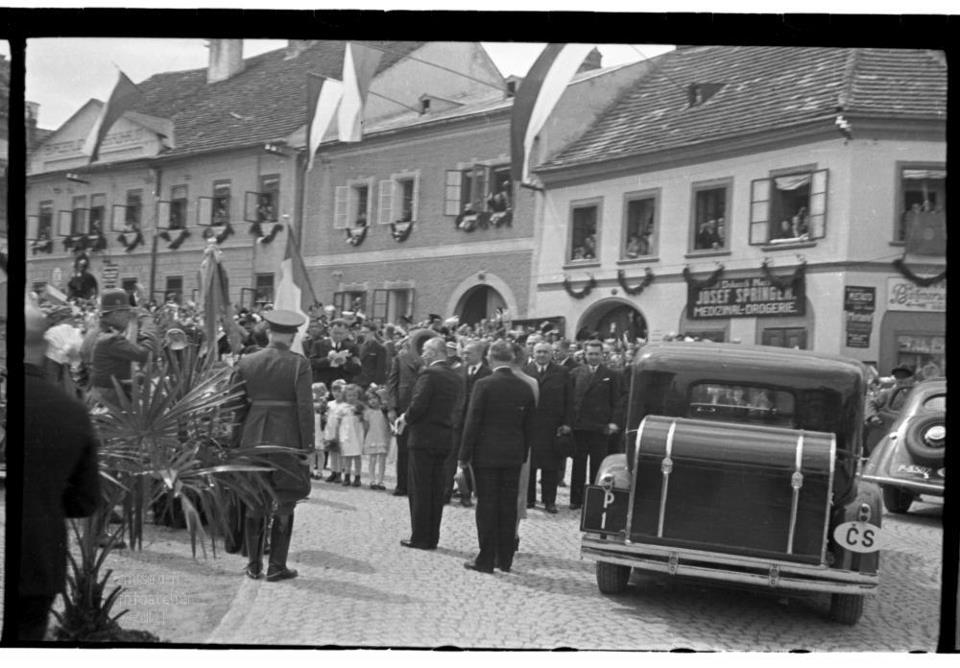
(359, 587)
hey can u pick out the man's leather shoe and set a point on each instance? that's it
(252, 574)
(504, 570)
(417, 546)
(399, 492)
(285, 574)
(472, 566)
(551, 508)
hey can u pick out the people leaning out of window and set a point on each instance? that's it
(794, 227)
(638, 245)
(710, 234)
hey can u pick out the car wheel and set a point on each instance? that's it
(926, 438)
(897, 500)
(612, 578)
(846, 608)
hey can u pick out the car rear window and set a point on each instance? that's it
(937, 402)
(742, 403)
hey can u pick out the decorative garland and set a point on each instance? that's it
(181, 237)
(705, 283)
(647, 279)
(502, 218)
(785, 282)
(922, 281)
(96, 242)
(581, 293)
(256, 230)
(222, 236)
(271, 235)
(400, 230)
(45, 246)
(130, 245)
(355, 238)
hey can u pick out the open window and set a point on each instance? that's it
(264, 288)
(710, 215)
(922, 196)
(790, 208)
(78, 217)
(262, 206)
(350, 300)
(391, 304)
(351, 205)
(40, 226)
(215, 210)
(639, 226)
(174, 289)
(98, 209)
(584, 242)
(399, 199)
(128, 217)
(478, 189)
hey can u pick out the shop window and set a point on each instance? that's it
(351, 205)
(923, 193)
(785, 337)
(264, 288)
(98, 206)
(710, 216)
(177, 218)
(174, 289)
(391, 305)
(788, 209)
(583, 233)
(261, 206)
(711, 335)
(920, 351)
(639, 237)
(478, 188)
(399, 199)
(350, 300)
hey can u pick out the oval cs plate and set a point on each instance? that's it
(858, 536)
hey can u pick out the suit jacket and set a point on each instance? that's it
(554, 408)
(323, 371)
(499, 425)
(403, 374)
(569, 364)
(373, 363)
(597, 399)
(60, 479)
(432, 413)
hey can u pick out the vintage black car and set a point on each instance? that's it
(741, 465)
(909, 459)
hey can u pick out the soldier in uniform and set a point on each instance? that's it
(277, 409)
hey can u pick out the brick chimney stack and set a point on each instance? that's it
(593, 61)
(226, 59)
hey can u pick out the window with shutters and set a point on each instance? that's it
(220, 206)
(584, 234)
(391, 305)
(711, 213)
(398, 200)
(350, 300)
(44, 230)
(78, 215)
(922, 195)
(177, 219)
(478, 188)
(788, 208)
(261, 206)
(264, 288)
(352, 204)
(98, 206)
(639, 226)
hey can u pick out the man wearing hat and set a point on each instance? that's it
(336, 357)
(82, 285)
(276, 409)
(125, 336)
(892, 398)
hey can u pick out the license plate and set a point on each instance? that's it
(858, 536)
(604, 511)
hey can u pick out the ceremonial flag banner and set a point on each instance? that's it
(359, 65)
(214, 296)
(124, 97)
(323, 99)
(538, 95)
(294, 292)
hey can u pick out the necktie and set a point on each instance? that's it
(473, 370)
(542, 369)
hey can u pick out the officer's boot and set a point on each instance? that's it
(253, 530)
(280, 535)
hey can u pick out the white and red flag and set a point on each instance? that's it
(538, 95)
(359, 65)
(323, 100)
(125, 97)
(294, 291)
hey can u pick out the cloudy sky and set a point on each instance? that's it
(62, 74)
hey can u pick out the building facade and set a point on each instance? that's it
(760, 195)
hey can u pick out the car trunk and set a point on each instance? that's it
(733, 488)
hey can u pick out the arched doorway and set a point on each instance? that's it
(612, 318)
(479, 302)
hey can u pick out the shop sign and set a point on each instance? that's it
(745, 298)
(859, 327)
(109, 275)
(859, 299)
(920, 343)
(905, 295)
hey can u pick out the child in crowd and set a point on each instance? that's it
(330, 440)
(319, 421)
(348, 425)
(377, 441)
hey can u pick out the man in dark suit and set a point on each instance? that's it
(496, 439)
(597, 413)
(562, 356)
(430, 416)
(336, 357)
(372, 356)
(474, 368)
(400, 381)
(553, 418)
(60, 479)
(276, 409)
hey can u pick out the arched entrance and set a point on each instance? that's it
(612, 318)
(479, 302)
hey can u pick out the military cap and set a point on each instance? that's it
(284, 322)
(114, 299)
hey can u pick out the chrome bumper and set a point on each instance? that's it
(912, 485)
(728, 568)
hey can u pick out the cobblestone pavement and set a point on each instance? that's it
(359, 587)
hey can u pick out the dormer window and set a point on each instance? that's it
(700, 93)
(424, 105)
(511, 88)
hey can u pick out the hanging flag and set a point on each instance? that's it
(323, 98)
(294, 291)
(359, 65)
(214, 298)
(125, 97)
(538, 95)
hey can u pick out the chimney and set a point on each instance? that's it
(297, 46)
(226, 59)
(593, 61)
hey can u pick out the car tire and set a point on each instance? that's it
(846, 608)
(923, 451)
(897, 500)
(612, 578)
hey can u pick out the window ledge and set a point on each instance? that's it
(638, 260)
(707, 253)
(580, 264)
(789, 246)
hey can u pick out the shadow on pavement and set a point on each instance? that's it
(349, 590)
(331, 560)
(313, 500)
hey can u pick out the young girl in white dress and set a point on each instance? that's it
(319, 421)
(376, 444)
(330, 443)
(350, 429)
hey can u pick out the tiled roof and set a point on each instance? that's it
(266, 101)
(763, 88)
